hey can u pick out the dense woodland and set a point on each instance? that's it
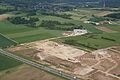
(26, 21)
(114, 15)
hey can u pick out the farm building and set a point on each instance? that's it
(79, 31)
(76, 32)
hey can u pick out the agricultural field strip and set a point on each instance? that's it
(7, 63)
(39, 66)
(27, 33)
(86, 14)
(53, 18)
(114, 27)
(26, 72)
(106, 29)
(9, 38)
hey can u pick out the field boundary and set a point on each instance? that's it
(9, 38)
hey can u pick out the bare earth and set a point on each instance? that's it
(4, 16)
(58, 50)
(103, 13)
(100, 63)
(101, 76)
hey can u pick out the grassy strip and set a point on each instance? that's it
(31, 38)
(7, 63)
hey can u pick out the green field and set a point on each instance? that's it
(92, 41)
(9, 28)
(4, 42)
(7, 63)
(23, 34)
(30, 38)
(82, 14)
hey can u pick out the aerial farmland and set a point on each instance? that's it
(59, 41)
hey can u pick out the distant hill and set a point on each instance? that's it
(109, 3)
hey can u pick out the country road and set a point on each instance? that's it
(39, 66)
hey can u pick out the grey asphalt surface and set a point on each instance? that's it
(40, 66)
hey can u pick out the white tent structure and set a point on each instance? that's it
(79, 31)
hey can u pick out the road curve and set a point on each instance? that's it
(39, 66)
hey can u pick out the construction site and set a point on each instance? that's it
(90, 65)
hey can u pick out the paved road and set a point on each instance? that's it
(39, 66)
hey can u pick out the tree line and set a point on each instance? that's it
(75, 43)
(114, 15)
(22, 20)
(54, 25)
(66, 16)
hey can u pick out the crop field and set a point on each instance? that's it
(9, 28)
(25, 72)
(115, 27)
(85, 14)
(81, 14)
(93, 41)
(89, 27)
(7, 63)
(23, 34)
(4, 42)
(53, 18)
(60, 40)
(30, 38)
